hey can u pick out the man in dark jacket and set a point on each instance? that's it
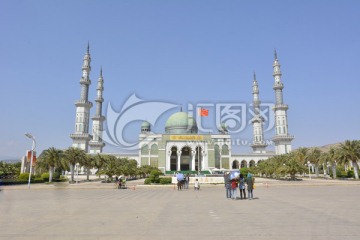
(227, 182)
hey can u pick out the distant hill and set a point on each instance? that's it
(327, 147)
(10, 160)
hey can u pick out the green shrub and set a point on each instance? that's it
(15, 181)
(166, 180)
(56, 175)
(147, 181)
(45, 177)
(24, 176)
(350, 174)
(18, 181)
(38, 180)
(155, 176)
(343, 174)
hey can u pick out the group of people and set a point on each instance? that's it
(183, 182)
(120, 182)
(233, 183)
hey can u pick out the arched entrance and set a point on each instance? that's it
(243, 164)
(185, 159)
(235, 164)
(198, 158)
(252, 163)
(173, 159)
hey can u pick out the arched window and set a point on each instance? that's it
(217, 156)
(144, 150)
(225, 150)
(154, 149)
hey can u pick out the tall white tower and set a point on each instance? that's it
(282, 139)
(97, 144)
(81, 136)
(259, 144)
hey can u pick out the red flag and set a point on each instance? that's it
(203, 112)
(34, 159)
(28, 157)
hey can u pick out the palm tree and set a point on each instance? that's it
(99, 161)
(73, 156)
(293, 165)
(333, 155)
(50, 159)
(350, 151)
(301, 154)
(314, 158)
(88, 163)
(110, 167)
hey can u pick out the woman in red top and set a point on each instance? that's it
(234, 186)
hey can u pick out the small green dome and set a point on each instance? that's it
(180, 123)
(145, 124)
(145, 127)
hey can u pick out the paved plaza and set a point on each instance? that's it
(281, 210)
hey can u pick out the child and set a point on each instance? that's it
(197, 185)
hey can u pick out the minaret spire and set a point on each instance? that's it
(97, 144)
(282, 138)
(259, 144)
(81, 136)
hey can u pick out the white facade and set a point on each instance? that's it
(168, 151)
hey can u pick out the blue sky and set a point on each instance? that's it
(180, 52)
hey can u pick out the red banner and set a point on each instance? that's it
(203, 112)
(34, 158)
(28, 157)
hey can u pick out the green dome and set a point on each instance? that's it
(180, 123)
(145, 124)
(145, 127)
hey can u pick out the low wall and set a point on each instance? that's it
(203, 180)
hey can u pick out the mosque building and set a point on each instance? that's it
(181, 147)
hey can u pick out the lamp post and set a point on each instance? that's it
(32, 154)
(77, 172)
(309, 169)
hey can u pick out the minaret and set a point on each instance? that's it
(81, 136)
(97, 144)
(259, 144)
(282, 138)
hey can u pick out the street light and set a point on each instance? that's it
(309, 169)
(32, 154)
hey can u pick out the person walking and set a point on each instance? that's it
(234, 187)
(227, 182)
(250, 180)
(197, 185)
(187, 180)
(242, 186)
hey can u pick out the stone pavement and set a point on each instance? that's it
(282, 210)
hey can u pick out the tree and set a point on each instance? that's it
(9, 170)
(293, 164)
(50, 159)
(110, 166)
(301, 154)
(350, 151)
(333, 156)
(73, 156)
(314, 157)
(88, 163)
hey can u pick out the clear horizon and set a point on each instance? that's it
(179, 52)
